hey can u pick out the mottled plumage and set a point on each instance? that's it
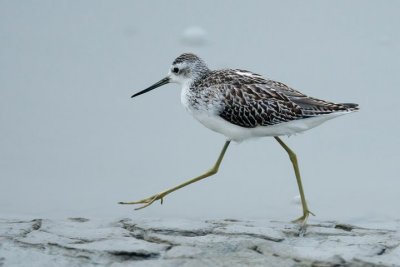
(249, 100)
(241, 105)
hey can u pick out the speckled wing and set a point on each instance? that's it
(310, 106)
(252, 105)
(249, 100)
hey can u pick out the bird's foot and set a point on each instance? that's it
(147, 201)
(303, 219)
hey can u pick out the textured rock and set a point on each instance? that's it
(84, 242)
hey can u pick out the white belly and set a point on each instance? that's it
(238, 133)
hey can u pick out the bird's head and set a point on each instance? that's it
(185, 69)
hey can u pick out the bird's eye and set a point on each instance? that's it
(175, 70)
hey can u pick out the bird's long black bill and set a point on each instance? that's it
(154, 86)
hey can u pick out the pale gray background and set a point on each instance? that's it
(73, 143)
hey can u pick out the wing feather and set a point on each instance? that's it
(252, 105)
(310, 106)
(249, 100)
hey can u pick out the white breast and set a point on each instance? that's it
(185, 94)
(200, 101)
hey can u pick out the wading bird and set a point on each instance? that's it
(240, 105)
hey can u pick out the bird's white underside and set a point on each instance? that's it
(238, 133)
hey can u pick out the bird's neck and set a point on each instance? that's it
(200, 75)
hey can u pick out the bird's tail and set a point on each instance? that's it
(350, 106)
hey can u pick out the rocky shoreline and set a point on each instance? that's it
(159, 242)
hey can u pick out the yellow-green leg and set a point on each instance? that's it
(293, 159)
(150, 200)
